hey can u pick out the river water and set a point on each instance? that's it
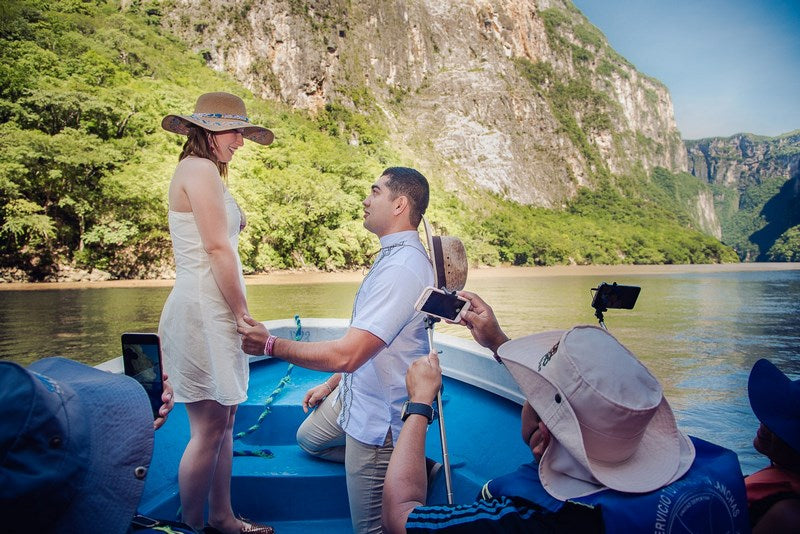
(698, 329)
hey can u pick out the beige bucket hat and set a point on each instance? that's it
(219, 112)
(611, 426)
(449, 259)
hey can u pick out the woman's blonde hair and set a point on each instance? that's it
(198, 143)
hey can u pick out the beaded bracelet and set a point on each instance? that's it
(330, 390)
(269, 345)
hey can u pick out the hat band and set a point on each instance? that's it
(220, 116)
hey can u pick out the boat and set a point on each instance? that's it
(277, 483)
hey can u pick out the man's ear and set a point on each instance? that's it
(400, 204)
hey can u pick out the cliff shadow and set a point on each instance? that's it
(781, 213)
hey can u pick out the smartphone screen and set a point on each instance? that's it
(441, 305)
(141, 357)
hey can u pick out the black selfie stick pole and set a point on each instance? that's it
(598, 312)
(429, 322)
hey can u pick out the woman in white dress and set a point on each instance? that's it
(202, 352)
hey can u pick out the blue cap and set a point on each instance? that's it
(75, 446)
(775, 400)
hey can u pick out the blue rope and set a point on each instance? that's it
(265, 453)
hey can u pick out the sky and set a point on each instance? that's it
(731, 66)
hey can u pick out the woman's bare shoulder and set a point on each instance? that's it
(198, 165)
(197, 170)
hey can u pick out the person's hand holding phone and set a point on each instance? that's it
(479, 318)
(169, 403)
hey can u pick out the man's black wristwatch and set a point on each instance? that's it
(417, 408)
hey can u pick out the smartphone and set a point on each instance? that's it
(614, 296)
(440, 304)
(141, 357)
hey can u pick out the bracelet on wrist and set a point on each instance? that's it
(330, 389)
(269, 345)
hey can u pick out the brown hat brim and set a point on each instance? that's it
(449, 262)
(179, 124)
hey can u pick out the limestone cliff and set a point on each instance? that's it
(755, 181)
(521, 97)
(743, 160)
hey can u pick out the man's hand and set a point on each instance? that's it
(316, 395)
(254, 335)
(482, 323)
(169, 402)
(424, 379)
(540, 440)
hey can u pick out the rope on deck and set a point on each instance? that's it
(266, 453)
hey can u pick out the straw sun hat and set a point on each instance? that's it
(610, 423)
(449, 259)
(219, 112)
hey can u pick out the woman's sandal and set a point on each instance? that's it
(248, 527)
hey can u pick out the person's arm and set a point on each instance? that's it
(204, 189)
(345, 354)
(482, 323)
(783, 516)
(405, 486)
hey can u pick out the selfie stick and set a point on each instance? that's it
(429, 322)
(613, 295)
(598, 312)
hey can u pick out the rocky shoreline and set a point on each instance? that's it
(77, 278)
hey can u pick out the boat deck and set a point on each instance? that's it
(297, 493)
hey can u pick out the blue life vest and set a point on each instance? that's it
(709, 498)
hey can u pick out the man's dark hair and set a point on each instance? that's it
(411, 184)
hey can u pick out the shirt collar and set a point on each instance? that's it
(409, 236)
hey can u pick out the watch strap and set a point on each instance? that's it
(419, 409)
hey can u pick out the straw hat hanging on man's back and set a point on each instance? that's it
(219, 112)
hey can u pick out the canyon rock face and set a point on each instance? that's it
(523, 98)
(743, 160)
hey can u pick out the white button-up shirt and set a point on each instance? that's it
(373, 395)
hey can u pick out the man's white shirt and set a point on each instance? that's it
(373, 395)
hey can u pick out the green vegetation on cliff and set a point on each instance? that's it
(756, 183)
(84, 164)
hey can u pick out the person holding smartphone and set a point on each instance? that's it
(607, 454)
(75, 447)
(358, 412)
(199, 341)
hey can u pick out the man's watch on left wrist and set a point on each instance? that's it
(418, 408)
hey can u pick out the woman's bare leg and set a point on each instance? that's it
(220, 511)
(209, 424)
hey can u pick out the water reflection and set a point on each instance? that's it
(699, 333)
